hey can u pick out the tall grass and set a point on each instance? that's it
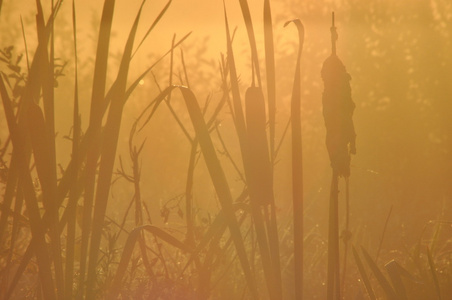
(297, 168)
(238, 250)
(32, 131)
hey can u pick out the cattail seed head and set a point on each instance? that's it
(338, 108)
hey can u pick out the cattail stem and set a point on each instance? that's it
(333, 292)
(346, 233)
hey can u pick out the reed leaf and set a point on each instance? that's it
(251, 37)
(297, 166)
(189, 193)
(239, 119)
(219, 181)
(387, 288)
(159, 17)
(396, 272)
(432, 266)
(47, 137)
(18, 136)
(22, 152)
(271, 75)
(10, 189)
(95, 122)
(128, 250)
(364, 276)
(64, 183)
(108, 153)
(216, 228)
(73, 195)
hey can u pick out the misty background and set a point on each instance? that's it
(398, 54)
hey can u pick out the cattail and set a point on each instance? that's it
(259, 158)
(338, 108)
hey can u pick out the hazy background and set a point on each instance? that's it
(398, 54)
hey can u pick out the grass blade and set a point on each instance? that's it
(11, 184)
(297, 167)
(128, 250)
(364, 276)
(395, 272)
(239, 119)
(189, 193)
(47, 136)
(249, 28)
(159, 17)
(108, 153)
(270, 72)
(219, 181)
(431, 263)
(96, 114)
(73, 196)
(387, 288)
(18, 134)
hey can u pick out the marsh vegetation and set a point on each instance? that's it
(138, 167)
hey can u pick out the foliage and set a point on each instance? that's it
(198, 207)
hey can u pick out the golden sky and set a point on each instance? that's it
(204, 18)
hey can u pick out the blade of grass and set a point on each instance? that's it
(270, 72)
(25, 44)
(219, 181)
(73, 197)
(297, 166)
(64, 183)
(30, 95)
(249, 28)
(48, 158)
(128, 250)
(252, 182)
(159, 17)
(239, 119)
(135, 178)
(42, 157)
(18, 221)
(395, 274)
(216, 229)
(10, 192)
(364, 276)
(431, 263)
(387, 288)
(170, 83)
(187, 83)
(18, 134)
(108, 153)
(11, 184)
(190, 238)
(383, 233)
(95, 122)
(205, 286)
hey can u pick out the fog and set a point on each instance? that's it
(398, 55)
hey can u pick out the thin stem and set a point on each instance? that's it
(346, 233)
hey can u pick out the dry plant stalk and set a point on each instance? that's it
(297, 167)
(338, 109)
